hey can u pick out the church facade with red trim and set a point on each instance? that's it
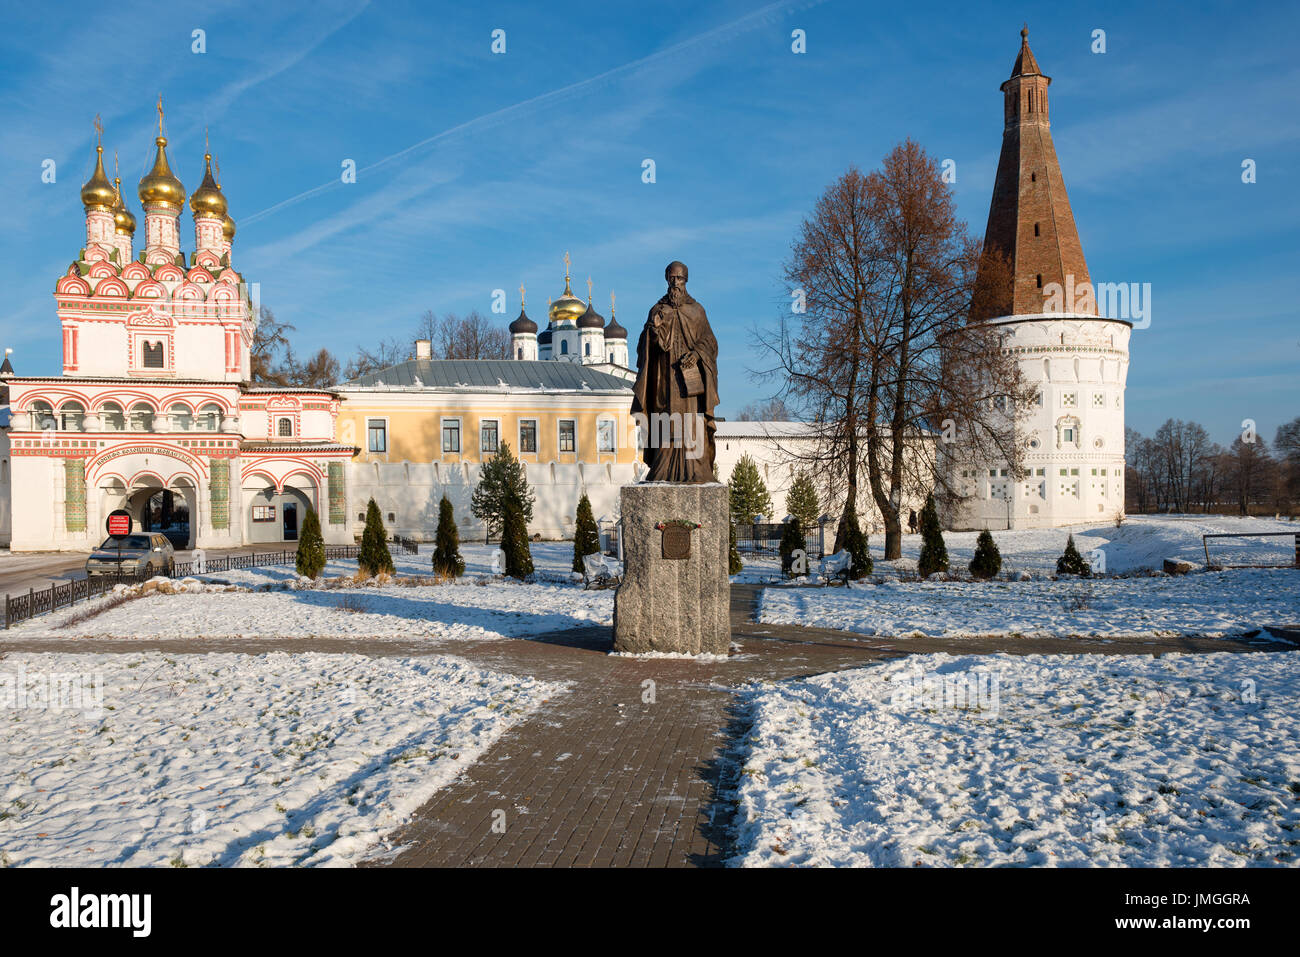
(152, 412)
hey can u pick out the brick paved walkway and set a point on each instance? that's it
(600, 776)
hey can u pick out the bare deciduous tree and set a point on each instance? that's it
(773, 410)
(385, 353)
(472, 336)
(885, 354)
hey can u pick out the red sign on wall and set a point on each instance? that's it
(119, 523)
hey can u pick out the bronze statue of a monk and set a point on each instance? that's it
(676, 388)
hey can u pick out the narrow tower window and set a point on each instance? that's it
(1040, 280)
(1035, 229)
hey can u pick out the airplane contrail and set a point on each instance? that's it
(748, 21)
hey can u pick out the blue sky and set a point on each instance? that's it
(478, 171)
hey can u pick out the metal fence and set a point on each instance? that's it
(766, 537)
(21, 607)
(61, 595)
(1205, 542)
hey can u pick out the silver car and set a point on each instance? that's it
(146, 554)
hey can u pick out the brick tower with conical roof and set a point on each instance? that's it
(1072, 466)
(1030, 221)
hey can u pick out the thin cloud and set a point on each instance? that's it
(487, 120)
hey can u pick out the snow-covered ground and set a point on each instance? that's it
(227, 759)
(466, 609)
(1143, 542)
(1085, 760)
(1209, 604)
(1212, 604)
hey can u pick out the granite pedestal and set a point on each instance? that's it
(670, 601)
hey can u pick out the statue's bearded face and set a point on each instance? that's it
(677, 286)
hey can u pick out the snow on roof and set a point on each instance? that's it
(515, 375)
(763, 430)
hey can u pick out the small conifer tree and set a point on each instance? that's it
(988, 560)
(801, 501)
(734, 564)
(501, 475)
(446, 550)
(311, 547)
(375, 557)
(514, 538)
(749, 495)
(586, 536)
(792, 541)
(856, 544)
(934, 553)
(1071, 562)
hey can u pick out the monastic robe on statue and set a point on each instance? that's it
(675, 339)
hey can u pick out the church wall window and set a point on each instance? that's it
(141, 417)
(72, 416)
(564, 347)
(568, 435)
(151, 355)
(181, 417)
(377, 435)
(528, 435)
(451, 435)
(285, 427)
(112, 416)
(488, 432)
(605, 435)
(209, 418)
(588, 349)
(43, 416)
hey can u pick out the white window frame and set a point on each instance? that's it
(369, 420)
(536, 436)
(460, 434)
(613, 434)
(482, 422)
(559, 448)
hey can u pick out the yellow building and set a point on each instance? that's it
(425, 426)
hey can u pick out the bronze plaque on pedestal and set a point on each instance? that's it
(676, 542)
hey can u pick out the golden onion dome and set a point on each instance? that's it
(160, 185)
(98, 192)
(228, 228)
(207, 199)
(123, 221)
(568, 307)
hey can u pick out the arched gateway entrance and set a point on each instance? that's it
(168, 509)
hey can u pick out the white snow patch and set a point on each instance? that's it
(1085, 760)
(1210, 604)
(465, 609)
(237, 760)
